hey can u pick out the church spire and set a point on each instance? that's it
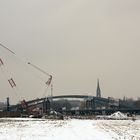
(98, 91)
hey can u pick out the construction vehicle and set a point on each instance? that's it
(32, 111)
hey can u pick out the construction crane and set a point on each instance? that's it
(34, 110)
(49, 81)
(7, 48)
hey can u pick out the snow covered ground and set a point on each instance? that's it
(72, 129)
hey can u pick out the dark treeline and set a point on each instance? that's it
(132, 102)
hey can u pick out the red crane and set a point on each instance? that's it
(49, 81)
(34, 110)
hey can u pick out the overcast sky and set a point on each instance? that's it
(77, 41)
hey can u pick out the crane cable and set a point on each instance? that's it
(49, 81)
(6, 48)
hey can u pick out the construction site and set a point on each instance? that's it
(48, 105)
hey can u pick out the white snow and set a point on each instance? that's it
(118, 115)
(40, 129)
(115, 116)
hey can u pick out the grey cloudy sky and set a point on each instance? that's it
(77, 41)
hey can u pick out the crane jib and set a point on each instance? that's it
(6, 48)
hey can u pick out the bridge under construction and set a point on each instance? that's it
(87, 104)
(92, 105)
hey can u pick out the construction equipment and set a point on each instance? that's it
(29, 109)
(49, 81)
(7, 48)
(35, 111)
(32, 111)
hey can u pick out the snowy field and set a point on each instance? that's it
(72, 129)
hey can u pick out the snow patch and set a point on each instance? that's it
(118, 115)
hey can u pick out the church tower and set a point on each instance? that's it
(98, 91)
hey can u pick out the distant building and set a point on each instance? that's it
(98, 91)
(2, 105)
